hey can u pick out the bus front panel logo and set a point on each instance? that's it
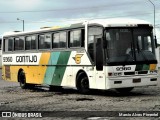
(77, 58)
(123, 68)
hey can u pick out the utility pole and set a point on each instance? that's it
(22, 22)
(154, 16)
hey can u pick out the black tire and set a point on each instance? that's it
(124, 90)
(82, 83)
(55, 88)
(22, 81)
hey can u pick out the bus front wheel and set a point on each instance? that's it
(82, 83)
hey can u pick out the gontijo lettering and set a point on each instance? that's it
(32, 58)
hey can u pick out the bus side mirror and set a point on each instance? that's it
(155, 39)
(99, 54)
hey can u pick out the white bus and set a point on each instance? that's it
(97, 54)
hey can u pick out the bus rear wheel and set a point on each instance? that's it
(125, 90)
(22, 81)
(82, 83)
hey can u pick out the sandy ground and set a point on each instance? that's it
(69, 104)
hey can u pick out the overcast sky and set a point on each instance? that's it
(42, 13)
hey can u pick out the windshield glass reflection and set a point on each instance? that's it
(129, 45)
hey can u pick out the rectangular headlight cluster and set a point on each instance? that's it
(115, 74)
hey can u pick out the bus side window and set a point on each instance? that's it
(5, 44)
(47, 41)
(8, 44)
(21, 43)
(63, 39)
(28, 43)
(41, 41)
(33, 42)
(75, 38)
(56, 38)
(59, 40)
(16, 43)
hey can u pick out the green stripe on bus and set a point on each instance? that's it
(57, 66)
(60, 70)
(51, 69)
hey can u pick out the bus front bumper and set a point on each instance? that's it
(123, 82)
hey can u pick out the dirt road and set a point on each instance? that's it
(68, 103)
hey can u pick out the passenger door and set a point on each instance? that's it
(95, 34)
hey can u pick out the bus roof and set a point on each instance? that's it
(114, 22)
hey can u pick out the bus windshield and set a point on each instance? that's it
(130, 46)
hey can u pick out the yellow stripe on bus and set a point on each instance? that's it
(37, 73)
(42, 68)
(44, 58)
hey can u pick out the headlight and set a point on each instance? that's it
(115, 74)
